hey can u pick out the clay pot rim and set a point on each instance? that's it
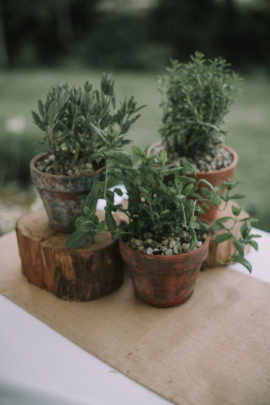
(171, 258)
(212, 172)
(36, 158)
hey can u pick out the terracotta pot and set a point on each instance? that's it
(63, 196)
(163, 281)
(215, 177)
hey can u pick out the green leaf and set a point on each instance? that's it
(148, 180)
(109, 219)
(122, 157)
(236, 210)
(99, 132)
(163, 157)
(236, 196)
(207, 183)
(222, 237)
(94, 195)
(248, 219)
(118, 191)
(137, 152)
(254, 244)
(76, 240)
(245, 230)
(52, 111)
(101, 226)
(215, 200)
(86, 211)
(36, 118)
(243, 261)
(40, 108)
(251, 235)
(240, 246)
(223, 219)
(189, 188)
(110, 196)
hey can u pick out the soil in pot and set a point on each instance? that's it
(63, 196)
(163, 281)
(215, 168)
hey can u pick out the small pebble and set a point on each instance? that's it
(169, 252)
(199, 243)
(149, 251)
(185, 246)
(172, 243)
(165, 242)
(148, 242)
(138, 242)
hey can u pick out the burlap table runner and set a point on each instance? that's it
(215, 349)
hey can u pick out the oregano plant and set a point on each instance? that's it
(71, 117)
(161, 202)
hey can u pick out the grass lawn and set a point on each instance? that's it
(248, 122)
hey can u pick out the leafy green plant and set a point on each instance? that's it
(196, 96)
(163, 208)
(70, 118)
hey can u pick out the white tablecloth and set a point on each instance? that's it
(39, 366)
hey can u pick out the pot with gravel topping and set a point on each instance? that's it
(196, 96)
(164, 277)
(81, 125)
(214, 173)
(163, 240)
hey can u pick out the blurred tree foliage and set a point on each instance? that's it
(108, 33)
(43, 31)
(237, 31)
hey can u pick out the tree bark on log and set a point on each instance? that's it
(81, 275)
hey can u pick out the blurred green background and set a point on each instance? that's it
(43, 42)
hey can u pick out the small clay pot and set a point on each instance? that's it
(63, 196)
(214, 177)
(163, 281)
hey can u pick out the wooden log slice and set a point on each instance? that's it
(221, 253)
(82, 274)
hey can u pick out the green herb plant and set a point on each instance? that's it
(196, 96)
(70, 118)
(164, 208)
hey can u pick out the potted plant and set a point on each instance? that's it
(70, 118)
(163, 242)
(196, 96)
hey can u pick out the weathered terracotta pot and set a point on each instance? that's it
(163, 281)
(63, 196)
(215, 178)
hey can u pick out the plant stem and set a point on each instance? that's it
(106, 180)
